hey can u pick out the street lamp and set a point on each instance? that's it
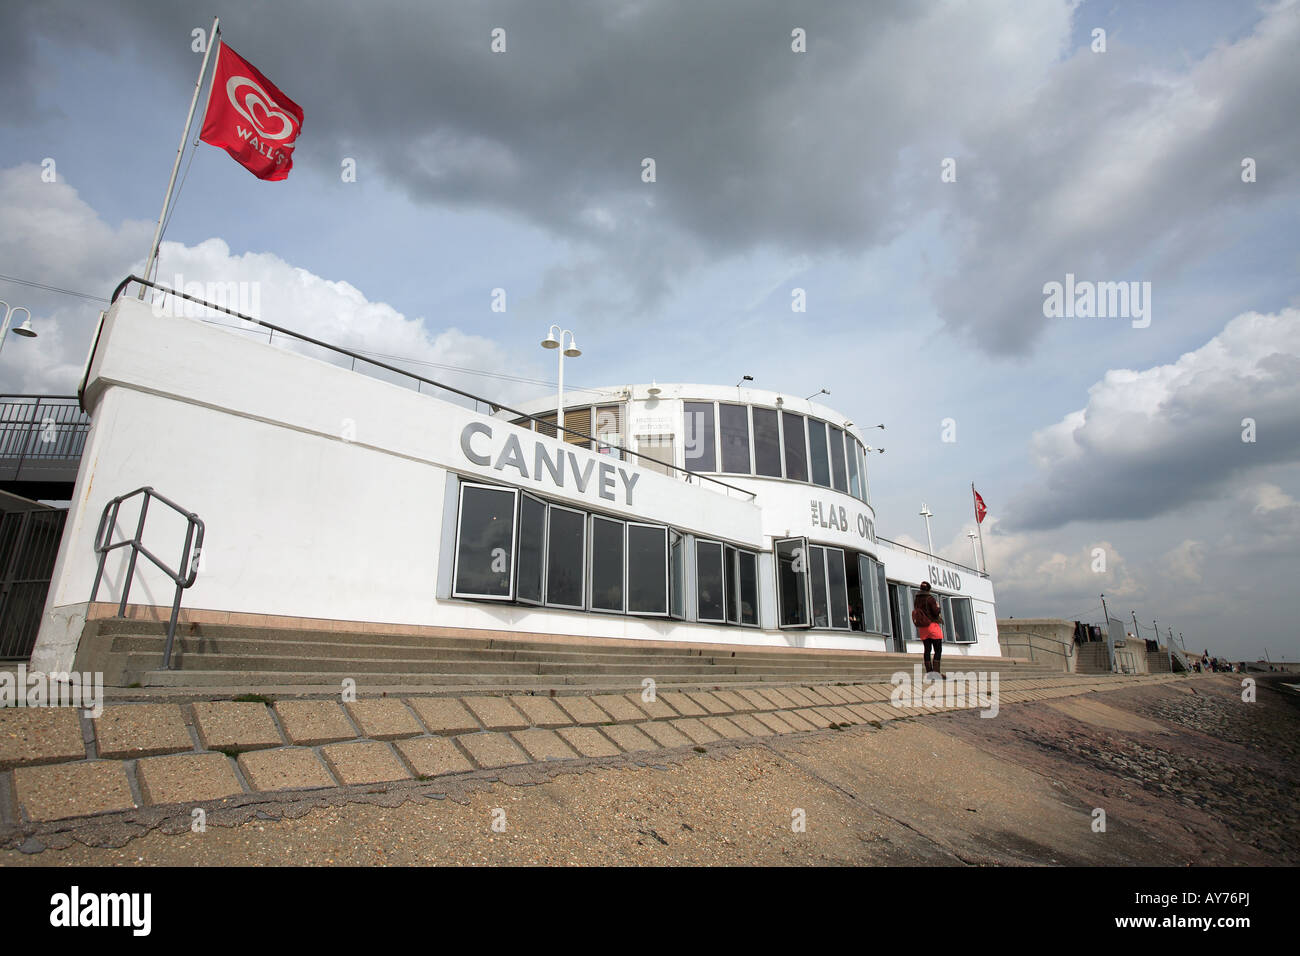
(973, 550)
(927, 514)
(25, 330)
(823, 391)
(550, 342)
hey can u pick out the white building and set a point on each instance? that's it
(699, 513)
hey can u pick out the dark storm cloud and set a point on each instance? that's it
(835, 151)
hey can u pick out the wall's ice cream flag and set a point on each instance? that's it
(250, 118)
(980, 510)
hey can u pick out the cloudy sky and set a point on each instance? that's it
(921, 171)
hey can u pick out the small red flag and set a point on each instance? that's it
(980, 510)
(250, 118)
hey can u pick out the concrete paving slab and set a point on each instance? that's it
(40, 735)
(738, 704)
(588, 741)
(696, 730)
(286, 768)
(774, 723)
(187, 778)
(541, 711)
(629, 738)
(798, 695)
(664, 734)
(709, 702)
(821, 716)
(619, 708)
(682, 704)
(444, 715)
(723, 728)
(792, 718)
(583, 711)
(72, 789)
(751, 725)
(655, 709)
(836, 694)
(433, 756)
(542, 744)
(387, 718)
(141, 730)
(759, 701)
(235, 725)
(492, 750)
(495, 713)
(364, 761)
(311, 722)
(818, 698)
(777, 699)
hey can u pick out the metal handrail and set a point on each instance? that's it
(926, 554)
(495, 406)
(102, 547)
(1067, 654)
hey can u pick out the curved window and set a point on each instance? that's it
(733, 421)
(606, 564)
(821, 465)
(566, 553)
(709, 582)
(532, 550)
(855, 453)
(796, 450)
(698, 437)
(485, 543)
(767, 443)
(839, 474)
(647, 569)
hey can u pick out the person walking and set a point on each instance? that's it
(928, 622)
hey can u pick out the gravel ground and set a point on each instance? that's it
(1184, 778)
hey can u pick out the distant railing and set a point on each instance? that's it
(932, 557)
(492, 406)
(44, 428)
(183, 577)
(1067, 654)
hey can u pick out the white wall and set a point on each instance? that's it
(322, 491)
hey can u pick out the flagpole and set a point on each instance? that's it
(213, 40)
(979, 526)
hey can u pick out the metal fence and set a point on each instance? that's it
(29, 544)
(40, 433)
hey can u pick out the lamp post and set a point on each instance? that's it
(927, 514)
(25, 330)
(973, 550)
(550, 342)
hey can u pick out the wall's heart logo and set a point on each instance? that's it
(255, 106)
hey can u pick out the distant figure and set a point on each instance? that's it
(927, 619)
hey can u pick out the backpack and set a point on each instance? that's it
(920, 619)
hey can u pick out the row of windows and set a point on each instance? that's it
(513, 546)
(772, 443)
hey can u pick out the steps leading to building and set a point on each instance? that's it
(130, 652)
(1093, 657)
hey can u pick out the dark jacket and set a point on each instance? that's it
(926, 602)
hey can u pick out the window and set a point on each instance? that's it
(647, 569)
(485, 543)
(698, 436)
(609, 430)
(796, 452)
(677, 575)
(817, 579)
(767, 443)
(577, 420)
(959, 620)
(873, 608)
(839, 476)
(792, 599)
(866, 488)
(655, 453)
(606, 564)
(532, 550)
(855, 454)
(731, 580)
(882, 595)
(734, 429)
(821, 466)
(709, 583)
(566, 553)
(748, 588)
(836, 581)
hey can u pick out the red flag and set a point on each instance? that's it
(250, 118)
(980, 510)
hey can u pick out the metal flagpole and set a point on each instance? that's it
(979, 526)
(213, 39)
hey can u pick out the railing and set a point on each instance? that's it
(44, 428)
(493, 406)
(1067, 654)
(102, 547)
(932, 557)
